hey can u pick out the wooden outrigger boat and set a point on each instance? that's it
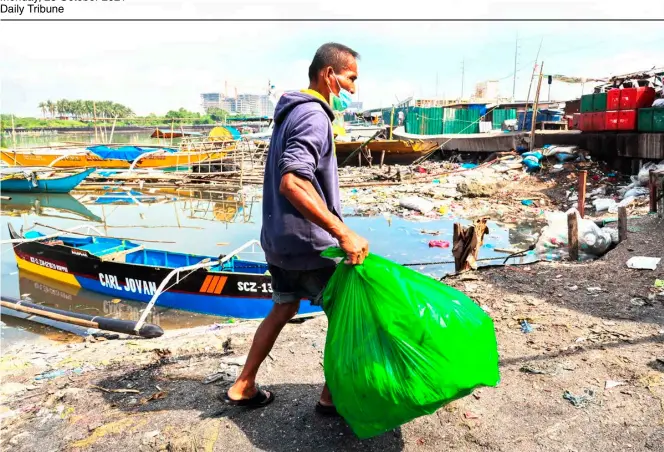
(396, 151)
(40, 180)
(104, 157)
(224, 286)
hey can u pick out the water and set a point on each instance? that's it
(29, 141)
(200, 222)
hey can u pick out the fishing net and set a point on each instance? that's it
(401, 344)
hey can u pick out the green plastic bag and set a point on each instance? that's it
(401, 344)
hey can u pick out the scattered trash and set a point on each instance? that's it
(469, 415)
(594, 289)
(553, 241)
(526, 327)
(580, 401)
(58, 373)
(532, 370)
(531, 160)
(601, 204)
(608, 384)
(527, 202)
(573, 288)
(416, 203)
(121, 391)
(235, 361)
(225, 375)
(439, 244)
(155, 396)
(659, 283)
(433, 232)
(643, 262)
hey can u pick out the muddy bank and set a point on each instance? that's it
(588, 376)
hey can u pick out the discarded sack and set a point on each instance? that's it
(553, 241)
(400, 344)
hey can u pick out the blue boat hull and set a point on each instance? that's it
(56, 185)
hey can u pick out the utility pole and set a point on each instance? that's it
(516, 50)
(531, 82)
(463, 68)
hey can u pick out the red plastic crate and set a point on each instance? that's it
(599, 121)
(586, 122)
(627, 120)
(613, 99)
(635, 98)
(611, 120)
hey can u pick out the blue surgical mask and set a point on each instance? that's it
(342, 101)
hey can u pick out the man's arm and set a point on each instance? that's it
(304, 197)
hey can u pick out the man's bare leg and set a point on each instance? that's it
(264, 339)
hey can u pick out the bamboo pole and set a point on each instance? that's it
(50, 315)
(94, 112)
(113, 130)
(534, 117)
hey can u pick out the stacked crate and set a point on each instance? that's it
(618, 110)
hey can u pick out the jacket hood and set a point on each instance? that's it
(292, 99)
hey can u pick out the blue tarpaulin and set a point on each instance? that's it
(128, 153)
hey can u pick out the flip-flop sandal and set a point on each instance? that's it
(326, 410)
(260, 400)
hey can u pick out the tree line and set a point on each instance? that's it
(84, 109)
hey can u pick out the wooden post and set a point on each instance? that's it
(534, 118)
(14, 138)
(622, 223)
(359, 158)
(94, 112)
(172, 124)
(573, 236)
(652, 185)
(581, 191)
(382, 157)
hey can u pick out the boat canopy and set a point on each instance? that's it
(127, 153)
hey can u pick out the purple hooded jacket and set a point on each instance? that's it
(302, 143)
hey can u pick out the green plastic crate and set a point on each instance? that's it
(599, 102)
(587, 103)
(646, 119)
(658, 120)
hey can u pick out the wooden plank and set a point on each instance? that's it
(581, 190)
(50, 315)
(622, 223)
(573, 236)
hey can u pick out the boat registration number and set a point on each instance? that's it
(245, 286)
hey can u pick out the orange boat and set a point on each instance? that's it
(110, 158)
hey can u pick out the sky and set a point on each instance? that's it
(153, 67)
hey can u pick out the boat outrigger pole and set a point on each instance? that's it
(205, 263)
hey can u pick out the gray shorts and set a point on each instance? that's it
(290, 286)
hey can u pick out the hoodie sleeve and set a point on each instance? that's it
(307, 139)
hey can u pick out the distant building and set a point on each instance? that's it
(246, 104)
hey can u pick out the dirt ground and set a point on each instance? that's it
(589, 376)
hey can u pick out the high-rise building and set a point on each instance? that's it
(211, 100)
(245, 104)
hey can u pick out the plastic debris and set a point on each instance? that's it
(582, 400)
(526, 327)
(527, 202)
(601, 204)
(439, 244)
(553, 241)
(416, 203)
(608, 384)
(643, 262)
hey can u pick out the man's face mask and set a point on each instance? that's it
(341, 101)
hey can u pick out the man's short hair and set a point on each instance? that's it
(330, 54)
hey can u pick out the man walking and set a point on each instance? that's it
(301, 209)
